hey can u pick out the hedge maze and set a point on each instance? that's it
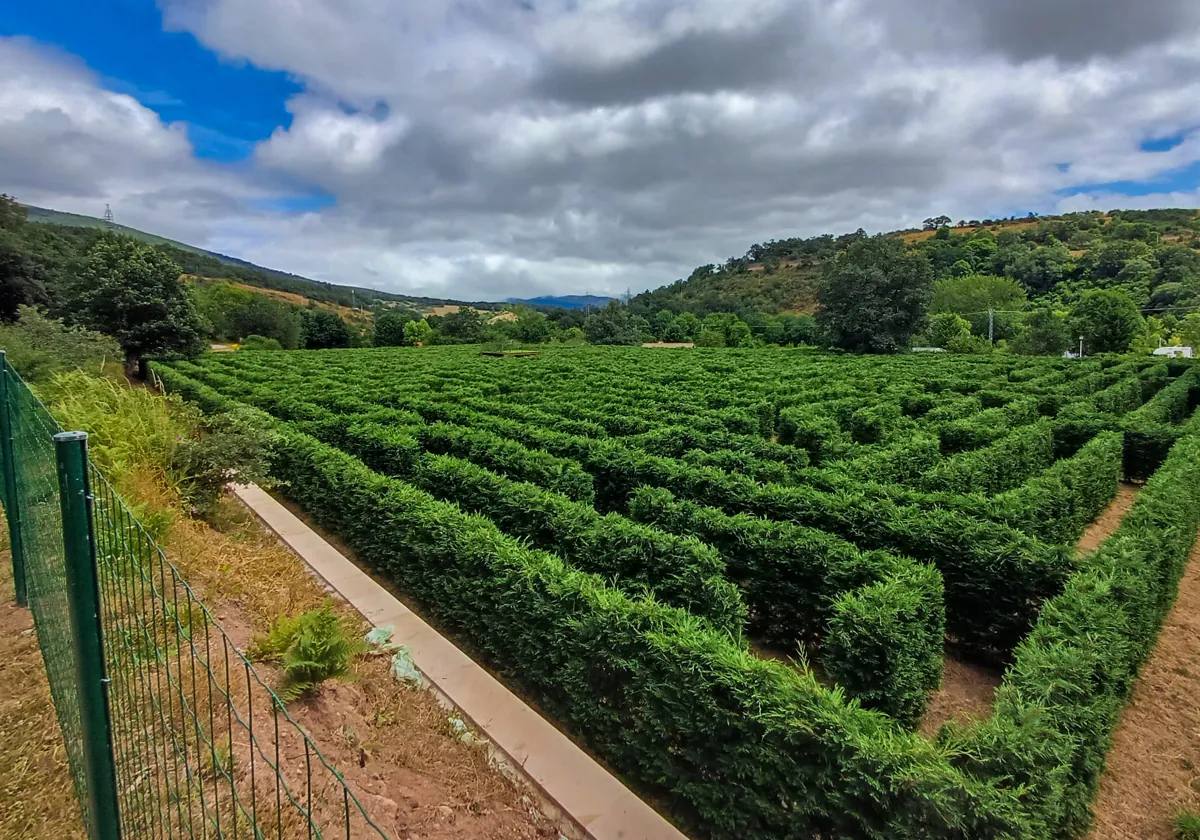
(625, 533)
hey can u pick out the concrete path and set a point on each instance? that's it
(570, 779)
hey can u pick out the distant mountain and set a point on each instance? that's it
(563, 301)
(203, 263)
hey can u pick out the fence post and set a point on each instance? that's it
(83, 601)
(12, 498)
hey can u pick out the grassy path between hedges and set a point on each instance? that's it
(1153, 769)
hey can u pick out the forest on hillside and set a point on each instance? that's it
(1107, 282)
(1034, 271)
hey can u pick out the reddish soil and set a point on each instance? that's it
(1107, 522)
(416, 777)
(1153, 769)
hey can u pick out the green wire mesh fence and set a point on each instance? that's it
(169, 730)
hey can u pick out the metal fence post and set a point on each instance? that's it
(83, 598)
(12, 498)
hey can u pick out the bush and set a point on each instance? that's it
(884, 643)
(803, 585)
(1060, 502)
(1187, 825)
(1013, 458)
(39, 347)
(258, 342)
(312, 647)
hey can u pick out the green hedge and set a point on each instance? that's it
(1058, 504)
(808, 586)
(507, 457)
(810, 429)
(1152, 429)
(999, 466)
(1069, 680)
(884, 642)
(651, 689)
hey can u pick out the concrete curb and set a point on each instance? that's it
(594, 800)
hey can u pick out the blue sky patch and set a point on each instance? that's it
(227, 105)
(1164, 143)
(1183, 179)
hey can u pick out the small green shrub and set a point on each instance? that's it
(259, 342)
(231, 446)
(1187, 825)
(312, 647)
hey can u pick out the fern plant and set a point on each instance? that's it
(312, 647)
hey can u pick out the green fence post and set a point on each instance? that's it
(83, 600)
(12, 499)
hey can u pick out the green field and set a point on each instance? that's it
(622, 532)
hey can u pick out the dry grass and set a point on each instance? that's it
(36, 796)
(400, 757)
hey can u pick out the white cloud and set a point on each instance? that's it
(482, 149)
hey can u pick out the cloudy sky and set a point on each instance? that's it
(485, 148)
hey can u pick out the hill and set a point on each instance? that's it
(563, 301)
(203, 263)
(1151, 254)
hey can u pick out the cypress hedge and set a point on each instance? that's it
(878, 620)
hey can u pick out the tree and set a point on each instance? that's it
(21, 280)
(1189, 330)
(612, 325)
(464, 326)
(973, 295)
(133, 292)
(685, 327)
(1044, 333)
(531, 326)
(322, 329)
(935, 222)
(391, 325)
(1108, 320)
(417, 333)
(873, 295)
(948, 330)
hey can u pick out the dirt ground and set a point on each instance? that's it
(1153, 769)
(416, 776)
(966, 694)
(36, 796)
(1100, 530)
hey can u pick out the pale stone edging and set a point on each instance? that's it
(594, 801)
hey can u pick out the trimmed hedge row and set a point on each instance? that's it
(985, 426)
(1071, 677)
(1152, 429)
(650, 688)
(878, 620)
(1010, 460)
(1058, 504)
(507, 457)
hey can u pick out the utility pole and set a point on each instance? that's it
(108, 216)
(1081, 347)
(991, 326)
